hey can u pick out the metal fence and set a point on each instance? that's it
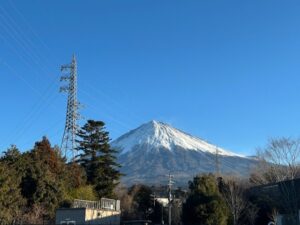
(104, 203)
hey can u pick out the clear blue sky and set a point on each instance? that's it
(225, 71)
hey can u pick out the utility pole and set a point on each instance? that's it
(217, 163)
(68, 144)
(162, 214)
(170, 198)
(154, 198)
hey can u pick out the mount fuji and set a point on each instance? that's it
(153, 150)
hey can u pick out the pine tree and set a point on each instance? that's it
(98, 158)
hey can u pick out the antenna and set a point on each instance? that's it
(68, 144)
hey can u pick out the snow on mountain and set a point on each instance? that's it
(155, 149)
(158, 135)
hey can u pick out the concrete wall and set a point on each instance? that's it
(77, 215)
(88, 216)
(97, 216)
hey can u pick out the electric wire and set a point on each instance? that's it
(12, 32)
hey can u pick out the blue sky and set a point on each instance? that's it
(225, 71)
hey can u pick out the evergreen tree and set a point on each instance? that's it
(11, 200)
(98, 158)
(142, 200)
(11, 156)
(34, 183)
(43, 180)
(204, 204)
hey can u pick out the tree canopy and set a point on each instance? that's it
(204, 204)
(98, 158)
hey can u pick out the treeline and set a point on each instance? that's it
(209, 200)
(33, 184)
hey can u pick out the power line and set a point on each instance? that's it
(114, 104)
(109, 115)
(29, 27)
(16, 32)
(28, 47)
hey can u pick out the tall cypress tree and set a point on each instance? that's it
(98, 158)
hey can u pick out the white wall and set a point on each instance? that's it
(88, 216)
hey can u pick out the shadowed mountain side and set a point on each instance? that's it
(154, 149)
(151, 167)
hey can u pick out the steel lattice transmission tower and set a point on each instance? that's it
(68, 144)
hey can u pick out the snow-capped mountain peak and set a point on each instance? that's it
(156, 135)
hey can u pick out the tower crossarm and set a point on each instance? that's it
(64, 78)
(65, 67)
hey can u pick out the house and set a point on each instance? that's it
(106, 211)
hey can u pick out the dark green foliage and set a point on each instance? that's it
(42, 180)
(11, 156)
(204, 204)
(11, 200)
(35, 183)
(137, 202)
(98, 158)
(142, 199)
(160, 213)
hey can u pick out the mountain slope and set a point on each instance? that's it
(154, 149)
